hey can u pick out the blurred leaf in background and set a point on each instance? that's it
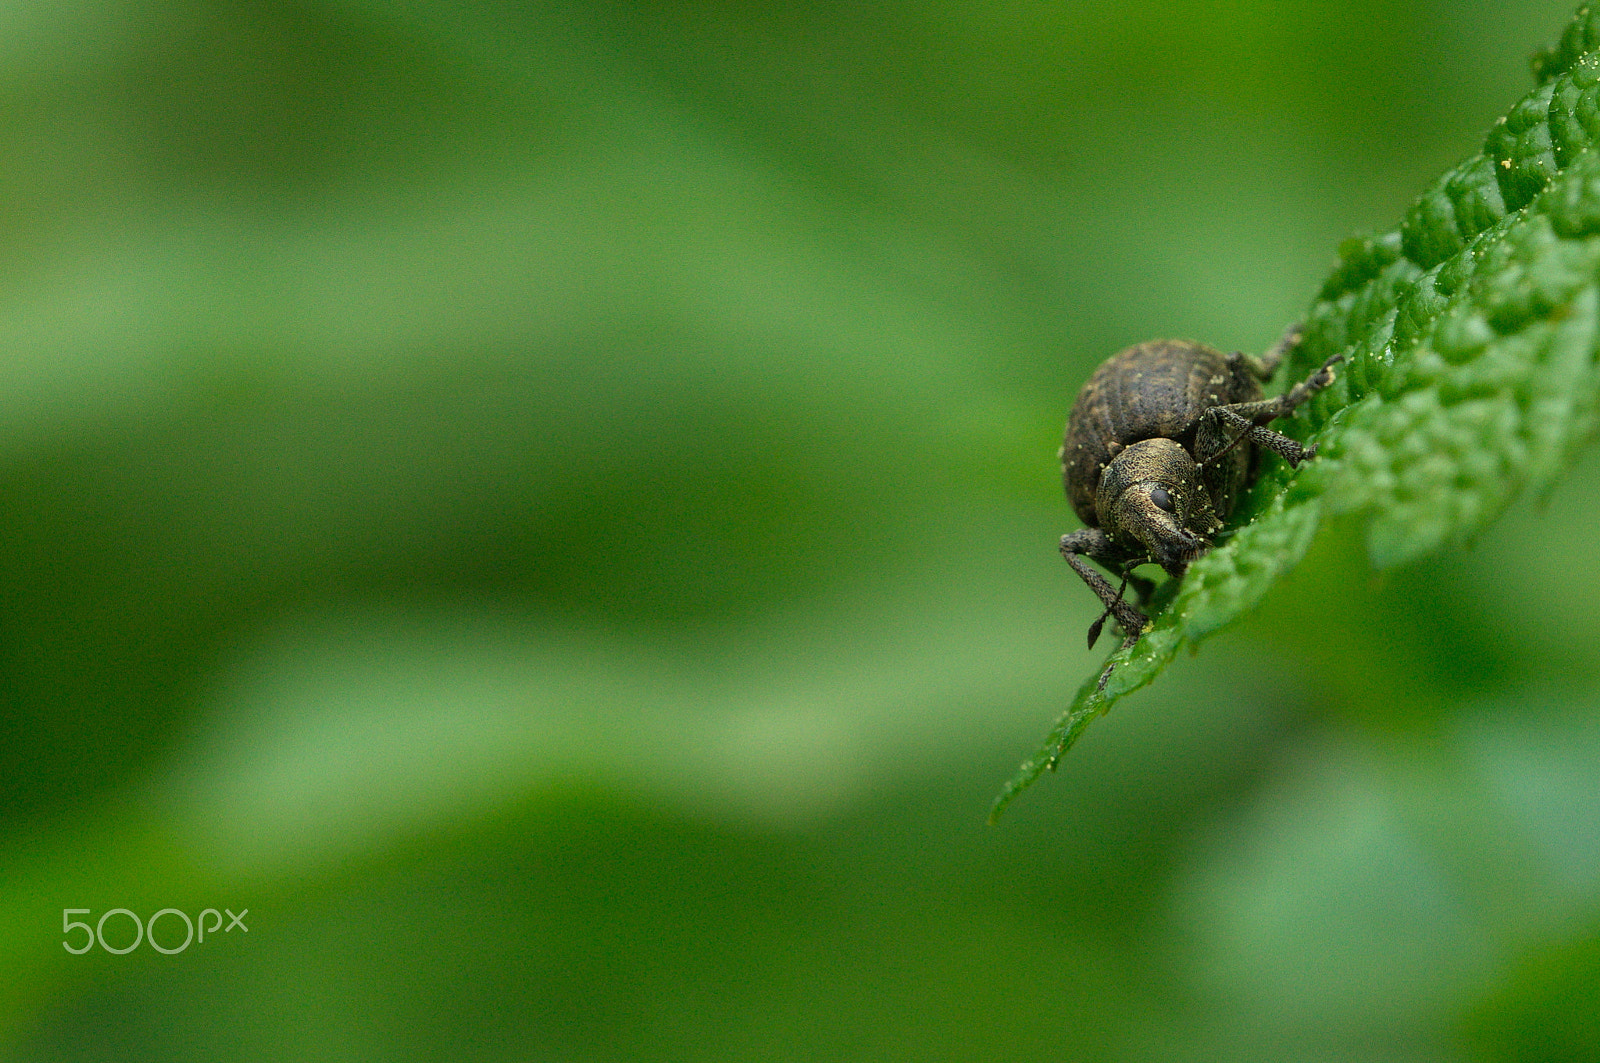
(552, 508)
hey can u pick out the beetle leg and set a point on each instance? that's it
(1291, 450)
(1271, 409)
(1319, 379)
(1093, 543)
(1247, 420)
(1286, 343)
(1262, 368)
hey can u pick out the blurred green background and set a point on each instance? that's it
(552, 508)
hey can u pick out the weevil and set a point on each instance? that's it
(1162, 441)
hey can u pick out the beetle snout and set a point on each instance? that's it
(1139, 515)
(1174, 550)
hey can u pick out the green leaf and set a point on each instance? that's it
(1470, 376)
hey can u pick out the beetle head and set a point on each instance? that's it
(1151, 498)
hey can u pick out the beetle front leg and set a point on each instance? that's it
(1093, 543)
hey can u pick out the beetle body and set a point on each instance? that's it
(1157, 390)
(1162, 441)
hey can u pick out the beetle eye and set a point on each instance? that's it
(1159, 496)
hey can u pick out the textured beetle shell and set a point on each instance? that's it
(1160, 388)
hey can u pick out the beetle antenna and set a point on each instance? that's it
(1231, 444)
(1100, 623)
